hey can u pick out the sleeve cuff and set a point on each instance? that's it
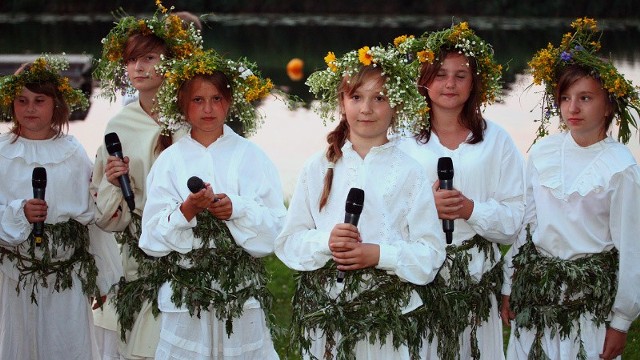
(388, 257)
(619, 323)
(238, 206)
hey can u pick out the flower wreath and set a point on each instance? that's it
(246, 82)
(181, 43)
(44, 69)
(581, 48)
(400, 86)
(459, 37)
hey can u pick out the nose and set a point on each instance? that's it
(573, 106)
(366, 107)
(208, 106)
(450, 82)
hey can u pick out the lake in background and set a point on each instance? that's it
(290, 137)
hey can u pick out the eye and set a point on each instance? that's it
(564, 98)
(217, 98)
(381, 98)
(197, 99)
(131, 60)
(585, 98)
(355, 97)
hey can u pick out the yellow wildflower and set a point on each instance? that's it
(364, 56)
(330, 60)
(425, 56)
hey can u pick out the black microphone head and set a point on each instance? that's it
(355, 201)
(39, 177)
(112, 142)
(195, 184)
(445, 168)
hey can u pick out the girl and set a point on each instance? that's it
(131, 51)
(458, 74)
(575, 287)
(397, 243)
(46, 278)
(209, 239)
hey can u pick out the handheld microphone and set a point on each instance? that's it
(39, 183)
(195, 184)
(445, 174)
(353, 209)
(114, 148)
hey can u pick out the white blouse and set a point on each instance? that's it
(491, 173)
(234, 166)
(398, 214)
(582, 201)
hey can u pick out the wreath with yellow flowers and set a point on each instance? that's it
(181, 43)
(581, 48)
(461, 38)
(400, 85)
(246, 82)
(45, 69)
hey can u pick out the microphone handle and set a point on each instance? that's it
(127, 193)
(38, 228)
(447, 225)
(353, 220)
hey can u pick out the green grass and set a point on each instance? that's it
(282, 287)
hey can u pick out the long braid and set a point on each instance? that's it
(336, 140)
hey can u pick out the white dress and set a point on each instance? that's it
(138, 133)
(60, 326)
(491, 174)
(582, 201)
(398, 214)
(238, 168)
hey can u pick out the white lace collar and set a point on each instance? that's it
(38, 152)
(607, 157)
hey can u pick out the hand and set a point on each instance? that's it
(35, 210)
(221, 207)
(342, 234)
(614, 342)
(115, 168)
(98, 302)
(196, 203)
(451, 204)
(505, 311)
(358, 255)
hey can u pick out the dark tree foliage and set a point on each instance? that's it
(507, 8)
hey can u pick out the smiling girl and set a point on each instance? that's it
(458, 75)
(397, 243)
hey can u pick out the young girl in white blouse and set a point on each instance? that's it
(397, 243)
(47, 268)
(574, 280)
(209, 235)
(458, 75)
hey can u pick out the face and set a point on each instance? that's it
(452, 85)
(206, 112)
(583, 107)
(34, 113)
(368, 113)
(142, 72)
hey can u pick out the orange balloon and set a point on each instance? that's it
(295, 69)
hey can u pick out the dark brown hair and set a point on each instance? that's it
(61, 112)
(138, 44)
(338, 136)
(470, 117)
(217, 79)
(568, 75)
